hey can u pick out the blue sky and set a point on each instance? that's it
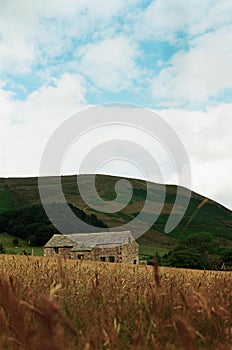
(142, 44)
(171, 56)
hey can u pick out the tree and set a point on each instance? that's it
(196, 251)
(17, 230)
(31, 240)
(44, 233)
(202, 243)
(15, 241)
(188, 259)
(33, 220)
(2, 249)
(226, 256)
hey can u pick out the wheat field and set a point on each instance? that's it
(56, 304)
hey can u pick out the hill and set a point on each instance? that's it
(16, 193)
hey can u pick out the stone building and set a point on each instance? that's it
(101, 246)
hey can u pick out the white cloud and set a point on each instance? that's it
(28, 124)
(92, 8)
(195, 76)
(110, 63)
(36, 31)
(217, 15)
(207, 140)
(212, 178)
(57, 98)
(41, 37)
(16, 32)
(166, 19)
(6, 106)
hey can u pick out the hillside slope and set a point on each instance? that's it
(211, 217)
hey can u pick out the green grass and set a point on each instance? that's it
(7, 242)
(6, 201)
(146, 250)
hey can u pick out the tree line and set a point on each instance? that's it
(32, 224)
(198, 251)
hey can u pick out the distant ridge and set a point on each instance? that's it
(213, 217)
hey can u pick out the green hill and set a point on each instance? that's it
(16, 193)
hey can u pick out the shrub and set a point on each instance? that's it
(31, 240)
(198, 251)
(2, 249)
(15, 241)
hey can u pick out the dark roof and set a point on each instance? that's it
(87, 241)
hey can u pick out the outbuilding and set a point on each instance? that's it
(100, 246)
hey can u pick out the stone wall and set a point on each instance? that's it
(130, 253)
(81, 255)
(64, 252)
(126, 253)
(113, 254)
(48, 251)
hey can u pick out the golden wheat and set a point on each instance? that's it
(56, 304)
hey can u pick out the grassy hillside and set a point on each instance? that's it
(21, 248)
(6, 201)
(212, 217)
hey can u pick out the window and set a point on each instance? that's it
(102, 258)
(80, 256)
(56, 250)
(135, 261)
(111, 258)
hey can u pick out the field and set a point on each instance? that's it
(54, 304)
(152, 250)
(11, 248)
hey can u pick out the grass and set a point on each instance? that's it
(6, 201)
(11, 248)
(149, 250)
(65, 305)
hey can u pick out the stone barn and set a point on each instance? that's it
(101, 246)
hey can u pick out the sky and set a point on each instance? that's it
(173, 57)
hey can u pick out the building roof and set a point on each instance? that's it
(59, 241)
(87, 241)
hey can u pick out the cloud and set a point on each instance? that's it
(57, 97)
(216, 15)
(41, 30)
(28, 124)
(212, 178)
(195, 76)
(6, 106)
(166, 19)
(110, 63)
(105, 43)
(207, 140)
(16, 33)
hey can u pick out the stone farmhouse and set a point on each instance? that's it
(101, 246)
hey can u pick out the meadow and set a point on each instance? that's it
(56, 304)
